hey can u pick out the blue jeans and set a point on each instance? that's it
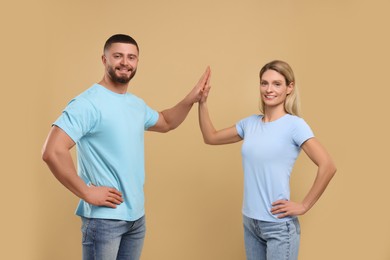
(106, 239)
(271, 240)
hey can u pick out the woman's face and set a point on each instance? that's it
(273, 88)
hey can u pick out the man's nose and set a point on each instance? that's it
(124, 61)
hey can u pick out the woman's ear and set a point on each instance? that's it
(290, 88)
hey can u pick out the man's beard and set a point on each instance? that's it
(120, 79)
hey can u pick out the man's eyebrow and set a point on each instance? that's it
(132, 55)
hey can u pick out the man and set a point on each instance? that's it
(107, 125)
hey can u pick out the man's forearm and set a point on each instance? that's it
(176, 115)
(62, 167)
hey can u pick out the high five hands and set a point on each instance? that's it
(200, 91)
(207, 86)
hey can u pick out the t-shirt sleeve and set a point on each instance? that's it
(77, 119)
(151, 117)
(302, 132)
(240, 127)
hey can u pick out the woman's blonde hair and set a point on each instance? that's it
(291, 105)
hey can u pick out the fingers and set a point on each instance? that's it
(114, 196)
(207, 73)
(205, 91)
(115, 199)
(208, 86)
(115, 192)
(208, 78)
(205, 77)
(280, 209)
(104, 196)
(279, 202)
(285, 208)
(205, 86)
(109, 205)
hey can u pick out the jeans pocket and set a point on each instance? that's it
(294, 226)
(86, 229)
(297, 225)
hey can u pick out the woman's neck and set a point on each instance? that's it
(271, 114)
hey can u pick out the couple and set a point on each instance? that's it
(107, 125)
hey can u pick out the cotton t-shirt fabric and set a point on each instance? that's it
(269, 151)
(108, 129)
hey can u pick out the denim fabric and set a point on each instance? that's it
(271, 240)
(105, 239)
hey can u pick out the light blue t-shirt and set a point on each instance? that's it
(269, 151)
(108, 129)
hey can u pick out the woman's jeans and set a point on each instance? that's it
(105, 239)
(271, 240)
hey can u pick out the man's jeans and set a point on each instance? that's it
(271, 240)
(105, 239)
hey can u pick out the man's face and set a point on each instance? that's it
(121, 61)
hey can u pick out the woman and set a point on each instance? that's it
(272, 141)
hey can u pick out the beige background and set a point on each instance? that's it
(339, 50)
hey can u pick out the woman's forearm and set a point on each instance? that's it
(206, 126)
(324, 174)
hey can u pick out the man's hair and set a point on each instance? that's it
(122, 38)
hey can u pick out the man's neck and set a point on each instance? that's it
(114, 86)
